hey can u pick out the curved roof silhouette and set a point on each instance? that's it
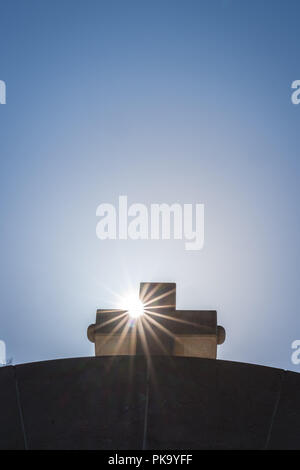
(116, 403)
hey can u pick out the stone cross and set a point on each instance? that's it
(161, 329)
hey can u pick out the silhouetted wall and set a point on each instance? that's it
(112, 403)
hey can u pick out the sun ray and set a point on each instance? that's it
(143, 291)
(154, 335)
(160, 306)
(133, 340)
(162, 328)
(150, 293)
(168, 317)
(158, 297)
(111, 320)
(122, 336)
(119, 344)
(113, 331)
(144, 340)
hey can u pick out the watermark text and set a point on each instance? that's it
(2, 92)
(295, 358)
(2, 353)
(296, 94)
(156, 222)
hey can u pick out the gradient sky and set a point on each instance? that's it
(162, 101)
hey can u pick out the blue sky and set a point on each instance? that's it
(163, 101)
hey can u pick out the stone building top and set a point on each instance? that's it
(153, 326)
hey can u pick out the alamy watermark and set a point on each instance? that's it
(2, 353)
(2, 92)
(296, 94)
(156, 222)
(295, 358)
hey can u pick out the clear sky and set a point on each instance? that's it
(162, 101)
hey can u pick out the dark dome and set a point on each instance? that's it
(188, 403)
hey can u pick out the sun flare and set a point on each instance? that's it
(134, 306)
